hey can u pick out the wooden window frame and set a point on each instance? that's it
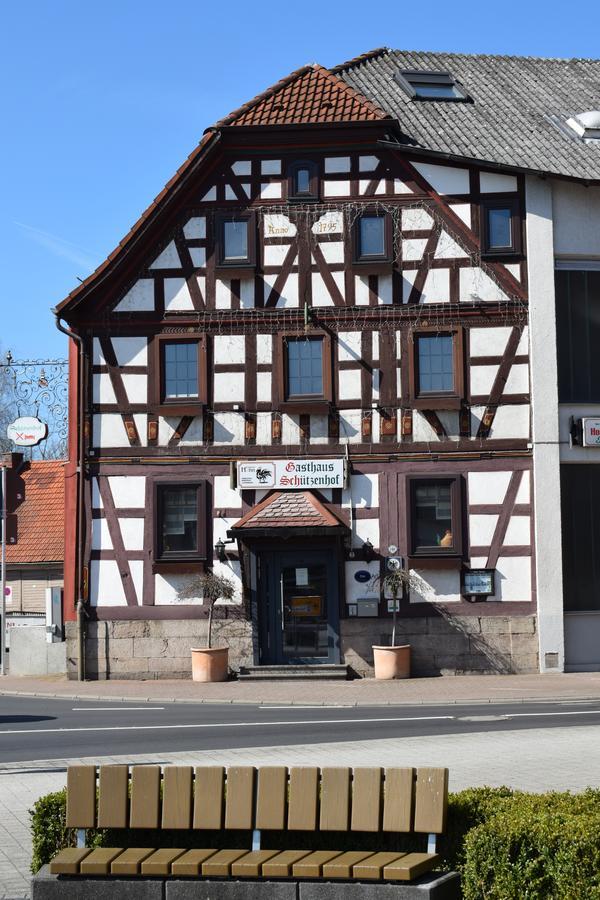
(313, 193)
(374, 264)
(443, 399)
(200, 554)
(192, 406)
(501, 201)
(236, 267)
(309, 403)
(438, 556)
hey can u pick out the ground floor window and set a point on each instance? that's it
(435, 516)
(180, 521)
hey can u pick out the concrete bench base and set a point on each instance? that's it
(434, 886)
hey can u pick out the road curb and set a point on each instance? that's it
(463, 701)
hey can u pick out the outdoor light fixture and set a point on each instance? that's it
(220, 549)
(368, 550)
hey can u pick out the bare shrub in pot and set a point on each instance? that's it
(209, 663)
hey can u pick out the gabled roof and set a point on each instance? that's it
(41, 515)
(289, 509)
(517, 117)
(309, 96)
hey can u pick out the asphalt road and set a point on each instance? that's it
(40, 729)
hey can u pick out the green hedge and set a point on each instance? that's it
(507, 845)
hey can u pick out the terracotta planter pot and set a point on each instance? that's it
(210, 665)
(392, 662)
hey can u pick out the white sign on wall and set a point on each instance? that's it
(27, 431)
(292, 474)
(591, 432)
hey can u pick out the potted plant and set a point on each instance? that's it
(209, 663)
(393, 661)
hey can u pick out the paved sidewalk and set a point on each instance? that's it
(570, 761)
(361, 692)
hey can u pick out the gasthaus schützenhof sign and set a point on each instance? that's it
(292, 474)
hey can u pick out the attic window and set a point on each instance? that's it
(586, 125)
(421, 85)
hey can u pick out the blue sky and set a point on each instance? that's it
(103, 99)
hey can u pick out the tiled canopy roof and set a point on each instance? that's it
(517, 117)
(311, 95)
(41, 515)
(289, 509)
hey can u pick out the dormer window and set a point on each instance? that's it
(303, 181)
(424, 85)
(586, 125)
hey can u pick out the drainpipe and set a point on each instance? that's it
(81, 610)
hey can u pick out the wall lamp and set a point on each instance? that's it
(369, 550)
(220, 549)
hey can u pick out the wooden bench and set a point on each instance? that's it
(352, 803)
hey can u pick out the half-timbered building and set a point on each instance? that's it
(310, 356)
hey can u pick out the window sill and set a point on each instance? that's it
(435, 561)
(305, 406)
(372, 266)
(238, 270)
(436, 402)
(178, 565)
(509, 255)
(181, 409)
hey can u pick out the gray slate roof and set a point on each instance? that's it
(519, 112)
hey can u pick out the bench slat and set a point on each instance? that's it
(239, 798)
(371, 869)
(112, 797)
(341, 866)
(431, 800)
(67, 861)
(99, 861)
(397, 803)
(271, 797)
(335, 799)
(208, 797)
(280, 866)
(366, 800)
(190, 862)
(81, 797)
(220, 864)
(177, 797)
(311, 866)
(410, 866)
(302, 809)
(250, 865)
(160, 861)
(129, 862)
(145, 797)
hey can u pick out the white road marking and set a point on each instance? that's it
(221, 725)
(115, 708)
(308, 706)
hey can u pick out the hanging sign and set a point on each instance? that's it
(591, 432)
(292, 474)
(27, 431)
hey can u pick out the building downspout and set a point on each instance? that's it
(82, 613)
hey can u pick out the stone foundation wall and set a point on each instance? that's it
(154, 648)
(447, 646)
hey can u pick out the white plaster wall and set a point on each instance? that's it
(422, 430)
(363, 530)
(263, 428)
(476, 286)
(488, 341)
(132, 532)
(100, 535)
(363, 491)
(290, 429)
(337, 164)
(333, 252)
(437, 286)
(511, 422)
(109, 430)
(416, 219)
(264, 349)
(136, 387)
(367, 163)
(242, 167)
(518, 532)
(447, 248)
(518, 380)
(274, 254)
(130, 351)
(482, 379)
(167, 588)
(320, 293)
(177, 294)
(96, 498)
(102, 389)
(546, 461)
(270, 190)
(435, 586)
(139, 298)
(194, 434)
(198, 255)
(576, 211)
(224, 495)
(349, 384)
(336, 188)
(263, 387)
(229, 428)
(270, 167)
(349, 343)
(495, 182)
(195, 228)
(319, 429)
(167, 259)
(444, 179)
(229, 387)
(106, 585)
(487, 487)
(463, 211)
(128, 491)
(481, 530)
(289, 293)
(513, 578)
(221, 524)
(350, 426)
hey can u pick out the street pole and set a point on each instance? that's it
(3, 577)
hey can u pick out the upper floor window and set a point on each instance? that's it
(180, 370)
(303, 183)
(305, 381)
(500, 226)
(436, 369)
(235, 240)
(425, 85)
(373, 238)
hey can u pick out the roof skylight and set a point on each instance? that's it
(586, 125)
(427, 85)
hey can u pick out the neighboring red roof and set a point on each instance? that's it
(285, 509)
(308, 96)
(41, 515)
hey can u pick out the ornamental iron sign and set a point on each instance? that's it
(591, 432)
(292, 474)
(27, 431)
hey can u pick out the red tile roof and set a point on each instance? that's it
(289, 509)
(311, 95)
(41, 515)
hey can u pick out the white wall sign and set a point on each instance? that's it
(591, 432)
(292, 474)
(26, 431)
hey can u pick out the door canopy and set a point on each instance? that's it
(288, 509)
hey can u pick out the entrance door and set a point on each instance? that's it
(300, 607)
